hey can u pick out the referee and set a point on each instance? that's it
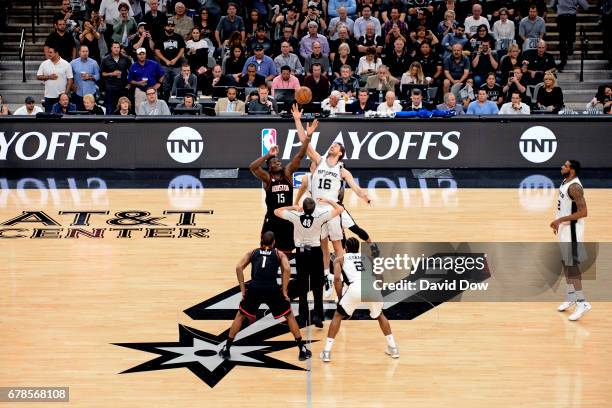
(307, 224)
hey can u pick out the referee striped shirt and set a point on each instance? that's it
(307, 228)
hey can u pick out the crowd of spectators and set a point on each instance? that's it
(356, 56)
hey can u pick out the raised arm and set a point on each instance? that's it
(285, 273)
(279, 211)
(294, 164)
(348, 177)
(297, 117)
(240, 266)
(256, 165)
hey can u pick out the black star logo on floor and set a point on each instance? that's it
(198, 351)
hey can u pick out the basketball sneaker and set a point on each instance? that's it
(581, 309)
(566, 305)
(392, 351)
(325, 356)
(224, 353)
(305, 354)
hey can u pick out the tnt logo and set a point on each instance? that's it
(185, 145)
(268, 139)
(297, 178)
(538, 144)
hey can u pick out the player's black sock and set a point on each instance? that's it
(300, 343)
(229, 343)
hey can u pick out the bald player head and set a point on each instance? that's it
(267, 239)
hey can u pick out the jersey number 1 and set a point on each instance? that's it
(263, 261)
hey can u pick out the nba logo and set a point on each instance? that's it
(297, 178)
(268, 139)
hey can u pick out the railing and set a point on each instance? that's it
(22, 54)
(584, 45)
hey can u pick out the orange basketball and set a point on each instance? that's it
(303, 95)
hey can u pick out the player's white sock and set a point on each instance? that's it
(390, 341)
(326, 272)
(580, 296)
(328, 344)
(571, 293)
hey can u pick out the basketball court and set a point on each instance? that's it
(80, 310)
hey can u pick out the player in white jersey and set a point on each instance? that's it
(327, 176)
(569, 227)
(349, 297)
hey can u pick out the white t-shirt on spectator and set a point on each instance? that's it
(110, 10)
(471, 25)
(23, 111)
(386, 109)
(54, 87)
(365, 65)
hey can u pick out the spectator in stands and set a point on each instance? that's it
(390, 105)
(143, 74)
(307, 42)
(203, 21)
(264, 104)
(422, 36)
(285, 80)
(467, 94)
(320, 5)
(516, 83)
(229, 24)
(359, 28)
(414, 75)
(153, 106)
(142, 39)
(254, 22)
(287, 58)
(395, 22)
(85, 73)
(431, 63)
(346, 84)
(333, 104)
(57, 76)
(482, 105)
(214, 77)
(318, 83)
(71, 18)
(63, 105)
(539, 62)
(109, 12)
(344, 37)
(343, 57)
(382, 81)
(416, 101)
(370, 39)
(317, 57)
(125, 28)
(252, 77)
(504, 30)
(484, 61)
(114, 70)
(313, 15)
(474, 21)
(183, 23)
(456, 68)
(399, 59)
(532, 28)
(448, 25)
(456, 36)
(90, 38)
(450, 104)
(186, 80)
(29, 109)
(550, 96)
(287, 36)
(482, 34)
(342, 20)
(90, 106)
(263, 64)
(362, 104)
(368, 64)
(333, 9)
(603, 97)
(230, 103)
(61, 41)
(494, 90)
(512, 59)
(190, 103)
(566, 24)
(198, 60)
(124, 107)
(233, 63)
(170, 50)
(260, 39)
(156, 20)
(515, 106)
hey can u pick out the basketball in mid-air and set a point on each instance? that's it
(303, 95)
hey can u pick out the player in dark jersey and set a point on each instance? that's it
(278, 184)
(263, 288)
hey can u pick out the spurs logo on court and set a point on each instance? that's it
(185, 145)
(538, 144)
(197, 351)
